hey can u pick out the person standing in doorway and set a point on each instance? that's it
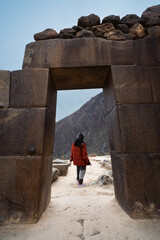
(79, 157)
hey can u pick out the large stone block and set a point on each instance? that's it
(32, 88)
(85, 52)
(4, 88)
(131, 84)
(121, 52)
(139, 127)
(62, 167)
(155, 83)
(136, 181)
(109, 94)
(79, 78)
(113, 129)
(45, 184)
(66, 53)
(147, 51)
(19, 188)
(49, 132)
(21, 131)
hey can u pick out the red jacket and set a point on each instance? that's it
(79, 155)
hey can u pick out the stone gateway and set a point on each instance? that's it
(120, 56)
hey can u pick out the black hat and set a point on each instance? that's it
(80, 136)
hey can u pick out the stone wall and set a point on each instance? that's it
(27, 118)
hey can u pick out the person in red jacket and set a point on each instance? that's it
(79, 157)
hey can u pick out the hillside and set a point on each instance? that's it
(89, 119)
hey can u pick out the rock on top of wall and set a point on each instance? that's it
(151, 12)
(46, 34)
(131, 19)
(89, 21)
(112, 27)
(112, 19)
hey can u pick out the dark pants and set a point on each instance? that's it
(81, 170)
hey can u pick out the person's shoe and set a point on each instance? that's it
(82, 185)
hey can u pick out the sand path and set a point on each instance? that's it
(88, 213)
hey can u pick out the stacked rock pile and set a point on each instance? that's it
(112, 27)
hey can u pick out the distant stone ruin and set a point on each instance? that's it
(85, 56)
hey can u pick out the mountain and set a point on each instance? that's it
(90, 119)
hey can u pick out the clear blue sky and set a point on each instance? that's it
(21, 19)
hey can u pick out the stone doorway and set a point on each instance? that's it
(129, 73)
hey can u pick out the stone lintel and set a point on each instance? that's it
(85, 52)
(79, 77)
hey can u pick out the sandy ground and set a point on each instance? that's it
(83, 213)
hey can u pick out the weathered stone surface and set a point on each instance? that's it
(88, 21)
(131, 19)
(46, 34)
(151, 12)
(115, 35)
(137, 31)
(140, 127)
(113, 129)
(136, 181)
(134, 128)
(29, 88)
(153, 21)
(77, 28)
(62, 167)
(19, 175)
(147, 52)
(68, 30)
(66, 36)
(49, 132)
(67, 33)
(103, 180)
(112, 19)
(154, 31)
(45, 185)
(84, 34)
(56, 53)
(100, 30)
(123, 27)
(155, 83)
(88, 28)
(78, 78)
(4, 88)
(131, 84)
(55, 174)
(35, 88)
(121, 52)
(20, 129)
(109, 94)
